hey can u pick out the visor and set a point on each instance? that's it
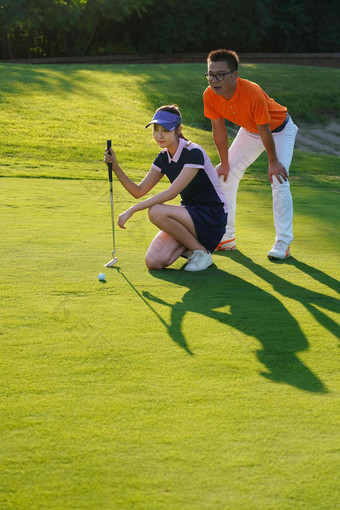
(166, 119)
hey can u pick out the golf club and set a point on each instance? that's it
(109, 167)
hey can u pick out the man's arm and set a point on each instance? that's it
(220, 137)
(275, 167)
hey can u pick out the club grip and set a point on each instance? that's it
(109, 166)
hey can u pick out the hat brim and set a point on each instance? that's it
(169, 126)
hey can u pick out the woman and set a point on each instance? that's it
(198, 224)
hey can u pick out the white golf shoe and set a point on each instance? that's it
(280, 250)
(198, 261)
(227, 243)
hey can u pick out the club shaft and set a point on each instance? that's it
(113, 220)
(109, 166)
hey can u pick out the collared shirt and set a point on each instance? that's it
(248, 107)
(205, 188)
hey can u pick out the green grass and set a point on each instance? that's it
(60, 116)
(157, 390)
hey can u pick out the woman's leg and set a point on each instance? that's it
(163, 251)
(177, 235)
(177, 222)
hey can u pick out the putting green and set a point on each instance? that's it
(164, 389)
(159, 389)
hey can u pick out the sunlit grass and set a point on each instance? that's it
(157, 390)
(56, 119)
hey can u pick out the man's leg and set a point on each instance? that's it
(244, 150)
(282, 198)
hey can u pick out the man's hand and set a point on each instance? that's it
(222, 169)
(279, 171)
(275, 167)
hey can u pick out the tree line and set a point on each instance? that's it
(55, 28)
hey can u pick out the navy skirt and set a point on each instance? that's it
(209, 222)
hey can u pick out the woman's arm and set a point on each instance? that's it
(136, 190)
(179, 184)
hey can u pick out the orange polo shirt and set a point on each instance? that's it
(248, 106)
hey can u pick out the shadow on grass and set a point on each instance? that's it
(254, 312)
(308, 298)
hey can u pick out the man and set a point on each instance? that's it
(264, 125)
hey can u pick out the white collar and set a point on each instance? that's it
(181, 144)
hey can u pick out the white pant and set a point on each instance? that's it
(245, 149)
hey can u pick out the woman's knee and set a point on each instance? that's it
(157, 257)
(154, 212)
(153, 263)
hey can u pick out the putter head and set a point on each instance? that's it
(111, 263)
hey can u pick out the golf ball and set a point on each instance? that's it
(101, 276)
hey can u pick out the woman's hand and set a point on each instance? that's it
(110, 157)
(123, 217)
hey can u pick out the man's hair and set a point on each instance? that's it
(228, 56)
